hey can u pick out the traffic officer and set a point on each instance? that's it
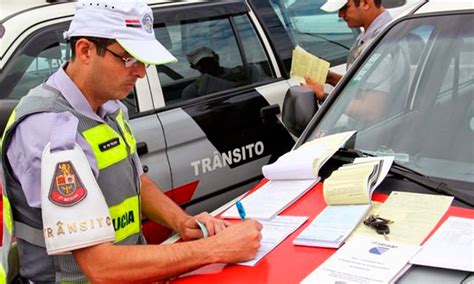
(367, 14)
(74, 189)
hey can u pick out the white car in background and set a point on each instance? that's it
(202, 151)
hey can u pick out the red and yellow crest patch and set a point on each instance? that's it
(66, 187)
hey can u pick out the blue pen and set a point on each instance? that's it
(241, 209)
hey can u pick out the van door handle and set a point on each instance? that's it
(142, 148)
(268, 114)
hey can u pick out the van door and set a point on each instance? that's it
(216, 139)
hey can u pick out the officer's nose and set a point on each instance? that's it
(139, 69)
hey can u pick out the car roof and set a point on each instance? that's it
(18, 16)
(445, 6)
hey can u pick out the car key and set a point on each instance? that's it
(382, 229)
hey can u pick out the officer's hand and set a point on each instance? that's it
(191, 229)
(316, 87)
(333, 78)
(239, 242)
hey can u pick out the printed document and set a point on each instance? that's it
(273, 233)
(414, 216)
(364, 260)
(304, 63)
(451, 246)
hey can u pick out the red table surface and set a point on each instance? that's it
(288, 263)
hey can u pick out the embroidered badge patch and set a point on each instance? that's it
(148, 23)
(66, 187)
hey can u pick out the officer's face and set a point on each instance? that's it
(353, 15)
(114, 77)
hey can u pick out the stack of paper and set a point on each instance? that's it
(272, 198)
(292, 175)
(332, 226)
(347, 192)
(355, 183)
(364, 260)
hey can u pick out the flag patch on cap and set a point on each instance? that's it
(133, 23)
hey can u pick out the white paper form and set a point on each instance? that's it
(451, 246)
(274, 232)
(271, 199)
(364, 260)
(296, 164)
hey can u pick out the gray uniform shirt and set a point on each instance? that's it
(366, 37)
(34, 133)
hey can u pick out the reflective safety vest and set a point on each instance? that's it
(114, 148)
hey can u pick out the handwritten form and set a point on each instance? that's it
(414, 215)
(451, 246)
(306, 64)
(274, 232)
(271, 199)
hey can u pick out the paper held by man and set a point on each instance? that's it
(306, 64)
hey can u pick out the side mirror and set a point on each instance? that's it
(299, 106)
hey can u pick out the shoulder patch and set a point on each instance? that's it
(67, 188)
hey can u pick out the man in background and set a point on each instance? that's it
(367, 14)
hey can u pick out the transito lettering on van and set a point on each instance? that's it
(220, 160)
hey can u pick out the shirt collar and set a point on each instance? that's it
(61, 82)
(375, 27)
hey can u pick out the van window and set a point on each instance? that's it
(37, 58)
(214, 55)
(303, 23)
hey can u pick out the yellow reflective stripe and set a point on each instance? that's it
(126, 218)
(127, 132)
(101, 134)
(3, 275)
(7, 216)
(10, 121)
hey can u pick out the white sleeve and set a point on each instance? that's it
(75, 214)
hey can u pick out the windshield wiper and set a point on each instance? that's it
(432, 185)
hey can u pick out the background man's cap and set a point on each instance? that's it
(333, 5)
(199, 53)
(129, 22)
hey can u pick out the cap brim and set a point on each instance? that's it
(201, 56)
(147, 51)
(331, 7)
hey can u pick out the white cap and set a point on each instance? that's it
(129, 22)
(333, 5)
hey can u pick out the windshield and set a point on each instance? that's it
(412, 97)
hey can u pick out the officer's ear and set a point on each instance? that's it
(367, 4)
(84, 49)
